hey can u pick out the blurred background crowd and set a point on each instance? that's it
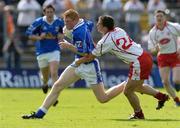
(135, 16)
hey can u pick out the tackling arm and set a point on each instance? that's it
(86, 58)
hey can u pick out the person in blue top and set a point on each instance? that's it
(90, 72)
(46, 32)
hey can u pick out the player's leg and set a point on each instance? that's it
(165, 76)
(53, 66)
(103, 95)
(54, 59)
(147, 89)
(176, 80)
(129, 92)
(67, 77)
(44, 68)
(45, 78)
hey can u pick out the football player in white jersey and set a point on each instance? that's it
(115, 40)
(163, 39)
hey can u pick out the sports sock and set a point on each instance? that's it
(160, 96)
(176, 99)
(41, 112)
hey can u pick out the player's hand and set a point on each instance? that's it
(43, 36)
(65, 45)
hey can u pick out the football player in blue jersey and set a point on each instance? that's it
(90, 72)
(47, 31)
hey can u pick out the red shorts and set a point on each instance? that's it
(168, 60)
(142, 69)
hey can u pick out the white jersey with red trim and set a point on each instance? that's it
(165, 39)
(119, 43)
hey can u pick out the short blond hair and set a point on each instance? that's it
(71, 13)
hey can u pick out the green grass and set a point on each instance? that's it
(78, 108)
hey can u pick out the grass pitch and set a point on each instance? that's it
(78, 108)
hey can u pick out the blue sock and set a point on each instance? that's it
(40, 113)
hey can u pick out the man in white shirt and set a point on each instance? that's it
(163, 39)
(116, 41)
(28, 11)
(133, 10)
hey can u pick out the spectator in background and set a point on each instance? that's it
(163, 39)
(28, 11)
(84, 6)
(94, 5)
(41, 2)
(113, 8)
(59, 6)
(11, 49)
(152, 6)
(46, 31)
(133, 10)
(69, 4)
(2, 4)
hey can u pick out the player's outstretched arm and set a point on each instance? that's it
(86, 58)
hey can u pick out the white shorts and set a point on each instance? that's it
(90, 72)
(44, 59)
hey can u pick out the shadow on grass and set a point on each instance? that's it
(154, 120)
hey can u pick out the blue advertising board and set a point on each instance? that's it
(26, 78)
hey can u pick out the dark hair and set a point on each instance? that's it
(48, 6)
(160, 11)
(107, 21)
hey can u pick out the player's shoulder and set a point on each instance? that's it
(79, 29)
(59, 19)
(172, 24)
(119, 32)
(39, 19)
(153, 30)
(89, 24)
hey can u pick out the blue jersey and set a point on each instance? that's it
(51, 30)
(82, 38)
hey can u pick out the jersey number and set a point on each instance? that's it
(125, 43)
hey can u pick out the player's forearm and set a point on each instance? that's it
(60, 37)
(85, 59)
(35, 37)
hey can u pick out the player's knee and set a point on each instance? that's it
(57, 87)
(126, 92)
(102, 100)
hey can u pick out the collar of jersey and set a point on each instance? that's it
(45, 19)
(80, 23)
